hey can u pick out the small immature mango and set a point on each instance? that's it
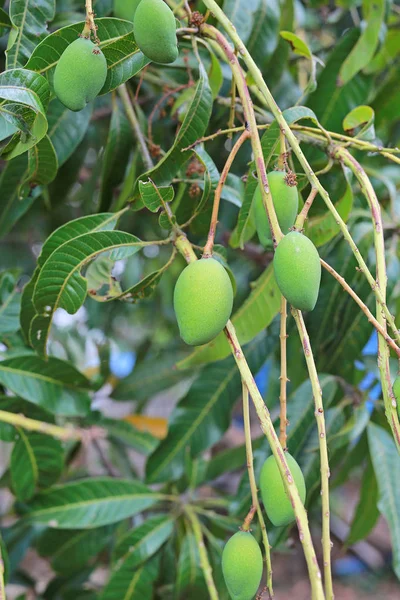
(286, 203)
(203, 300)
(297, 270)
(276, 501)
(154, 28)
(80, 74)
(125, 9)
(242, 566)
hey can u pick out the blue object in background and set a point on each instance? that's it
(349, 565)
(121, 363)
(371, 347)
(262, 377)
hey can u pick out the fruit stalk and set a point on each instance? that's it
(323, 450)
(253, 488)
(90, 24)
(290, 136)
(185, 248)
(251, 125)
(381, 283)
(283, 376)
(302, 216)
(208, 248)
(204, 562)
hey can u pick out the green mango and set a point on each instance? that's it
(242, 566)
(80, 74)
(203, 300)
(297, 270)
(154, 28)
(125, 9)
(286, 203)
(276, 501)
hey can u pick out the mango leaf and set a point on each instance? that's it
(67, 128)
(134, 549)
(25, 98)
(366, 513)
(386, 462)
(364, 50)
(36, 460)
(201, 418)
(5, 22)
(264, 36)
(65, 233)
(255, 314)
(60, 284)
(42, 163)
(55, 385)
(360, 123)
(123, 57)
(151, 195)
(125, 432)
(70, 550)
(215, 75)
(193, 128)
(134, 585)
(386, 101)
(90, 503)
(116, 156)
(10, 302)
(241, 13)
(388, 51)
(189, 574)
(30, 18)
(300, 47)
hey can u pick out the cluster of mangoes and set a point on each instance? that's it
(81, 71)
(154, 27)
(242, 562)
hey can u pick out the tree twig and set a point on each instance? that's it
(132, 118)
(283, 376)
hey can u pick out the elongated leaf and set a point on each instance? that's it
(151, 196)
(42, 162)
(54, 385)
(70, 550)
(30, 18)
(67, 128)
(264, 36)
(386, 462)
(366, 513)
(193, 128)
(364, 50)
(36, 460)
(255, 314)
(126, 433)
(10, 301)
(65, 233)
(200, 419)
(134, 585)
(189, 574)
(90, 503)
(241, 13)
(5, 22)
(60, 284)
(360, 123)
(15, 200)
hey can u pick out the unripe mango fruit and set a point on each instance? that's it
(80, 74)
(125, 9)
(276, 501)
(203, 300)
(286, 203)
(154, 28)
(297, 270)
(242, 566)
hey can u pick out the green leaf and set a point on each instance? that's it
(364, 50)
(126, 433)
(67, 128)
(123, 57)
(255, 314)
(55, 385)
(299, 47)
(90, 503)
(65, 233)
(116, 156)
(5, 22)
(10, 302)
(202, 417)
(386, 101)
(151, 195)
(25, 98)
(60, 284)
(361, 118)
(42, 163)
(193, 128)
(386, 463)
(264, 36)
(30, 18)
(241, 13)
(36, 460)
(189, 574)
(70, 550)
(134, 585)
(366, 513)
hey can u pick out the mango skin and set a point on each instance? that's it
(125, 9)
(286, 203)
(154, 28)
(297, 270)
(203, 300)
(276, 501)
(80, 74)
(242, 566)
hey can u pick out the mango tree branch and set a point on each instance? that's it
(208, 248)
(283, 376)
